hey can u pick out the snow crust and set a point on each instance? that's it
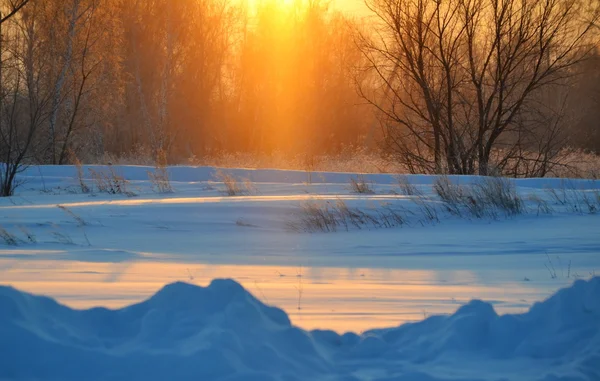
(222, 332)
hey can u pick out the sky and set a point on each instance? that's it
(350, 6)
(354, 7)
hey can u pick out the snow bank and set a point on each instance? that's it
(196, 174)
(221, 332)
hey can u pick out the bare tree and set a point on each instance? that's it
(461, 80)
(73, 45)
(11, 8)
(23, 99)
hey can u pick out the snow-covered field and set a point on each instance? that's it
(95, 249)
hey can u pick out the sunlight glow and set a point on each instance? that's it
(351, 7)
(340, 299)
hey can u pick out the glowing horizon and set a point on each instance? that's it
(351, 7)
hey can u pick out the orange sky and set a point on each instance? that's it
(351, 6)
(355, 7)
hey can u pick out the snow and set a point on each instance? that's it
(222, 332)
(99, 251)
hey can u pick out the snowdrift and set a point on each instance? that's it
(222, 332)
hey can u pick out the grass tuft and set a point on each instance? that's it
(160, 180)
(8, 238)
(314, 216)
(406, 188)
(30, 236)
(359, 185)
(80, 221)
(233, 185)
(110, 182)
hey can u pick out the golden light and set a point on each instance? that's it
(353, 7)
(253, 4)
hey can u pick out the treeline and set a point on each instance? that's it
(460, 86)
(188, 77)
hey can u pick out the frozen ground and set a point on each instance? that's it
(114, 250)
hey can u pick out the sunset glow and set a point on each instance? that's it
(276, 190)
(349, 7)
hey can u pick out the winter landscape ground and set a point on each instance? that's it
(395, 255)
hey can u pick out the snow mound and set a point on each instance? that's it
(183, 332)
(222, 332)
(565, 326)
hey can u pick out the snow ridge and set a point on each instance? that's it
(222, 332)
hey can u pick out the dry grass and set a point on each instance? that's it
(497, 193)
(452, 195)
(360, 185)
(233, 185)
(80, 221)
(8, 238)
(30, 236)
(80, 176)
(160, 180)
(110, 182)
(406, 187)
(315, 216)
(576, 163)
(488, 197)
(63, 238)
(576, 199)
(542, 206)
